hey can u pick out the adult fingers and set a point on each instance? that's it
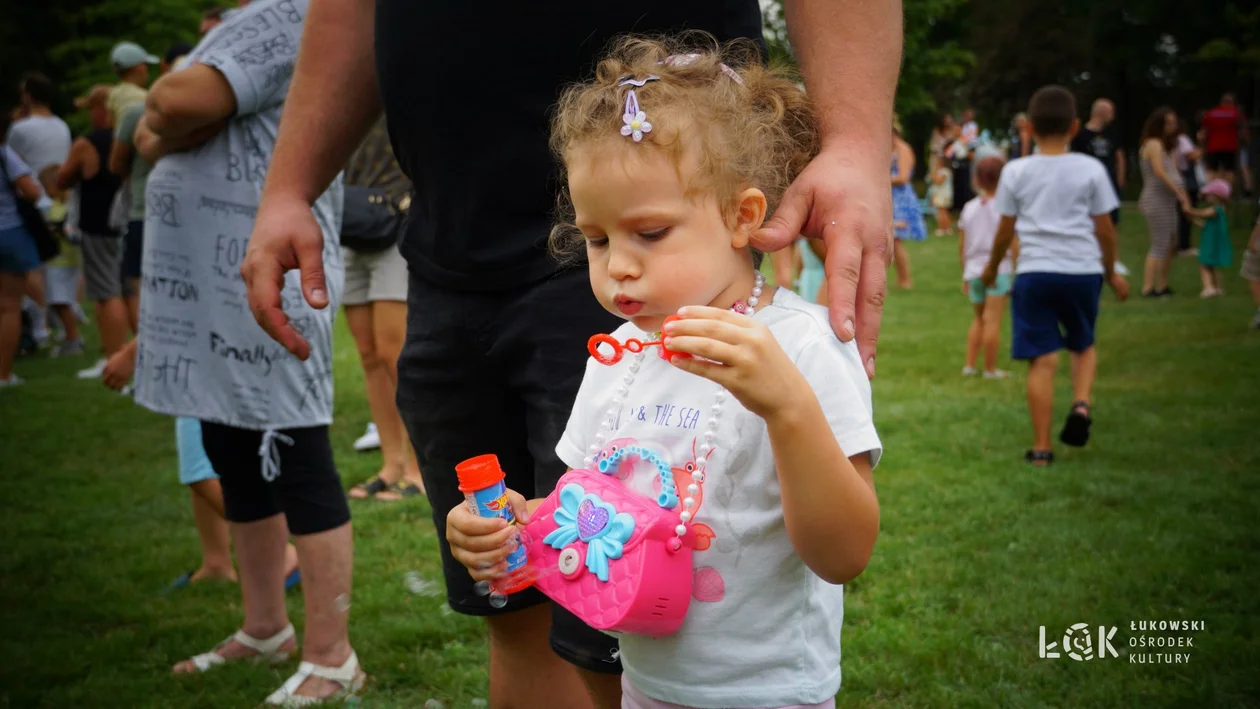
(843, 268)
(310, 256)
(781, 229)
(870, 307)
(264, 279)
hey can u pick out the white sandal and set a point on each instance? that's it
(349, 676)
(268, 650)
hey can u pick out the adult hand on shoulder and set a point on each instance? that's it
(842, 197)
(285, 237)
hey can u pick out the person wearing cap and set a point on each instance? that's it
(131, 63)
(86, 171)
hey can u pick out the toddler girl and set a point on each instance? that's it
(1214, 248)
(941, 196)
(978, 224)
(672, 162)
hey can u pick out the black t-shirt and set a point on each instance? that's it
(1102, 145)
(468, 89)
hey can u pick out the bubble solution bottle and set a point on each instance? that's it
(481, 481)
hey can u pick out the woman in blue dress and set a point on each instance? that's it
(907, 218)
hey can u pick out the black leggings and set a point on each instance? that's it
(289, 470)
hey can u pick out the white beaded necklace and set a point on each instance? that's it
(710, 434)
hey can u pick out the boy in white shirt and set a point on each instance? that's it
(1059, 202)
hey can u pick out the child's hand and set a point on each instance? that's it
(483, 543)
(1120, 286)
(745, 357)
(966, 287)
(989, 277)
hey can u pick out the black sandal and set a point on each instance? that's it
(403, 489)
(371, 486)
(1039, 458)
(1076, 429)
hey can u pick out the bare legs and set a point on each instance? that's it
(12, 287)
(525, 673)
(379, 329)
(901, 262)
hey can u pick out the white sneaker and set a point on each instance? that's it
(12, 381)
(95, 371)
(997, 374)
(67, 349)
(370, 440)
(1255, 321)
(969, 371)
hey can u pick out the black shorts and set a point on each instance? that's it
(133, 250)
(1218, 161)
(301, 479)
(497, 373)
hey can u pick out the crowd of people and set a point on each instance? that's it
(218, 216)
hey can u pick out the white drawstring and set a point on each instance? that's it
(270, 453)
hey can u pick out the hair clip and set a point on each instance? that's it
(634, 120)
(685, 59)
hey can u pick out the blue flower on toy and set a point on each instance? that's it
(586, 518)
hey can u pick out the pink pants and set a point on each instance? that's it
(632, 698)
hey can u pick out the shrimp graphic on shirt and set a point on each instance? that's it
(707, 583)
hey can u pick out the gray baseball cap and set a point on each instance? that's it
(128, 54)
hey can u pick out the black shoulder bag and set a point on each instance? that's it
(371, 221)
(45, 242)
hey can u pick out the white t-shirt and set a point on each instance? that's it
(1054, 199)
(979, 222)
(40, 141)
(762, 630)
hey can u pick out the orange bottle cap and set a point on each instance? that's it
(478, 473)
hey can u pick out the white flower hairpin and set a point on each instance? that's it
(634, 119)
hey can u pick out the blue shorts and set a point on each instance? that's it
(1053, 311)
(18, 254)
(194, 466)
(976, 292)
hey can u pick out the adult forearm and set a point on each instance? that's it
(332, 101)
(831, 512)
(850, 54)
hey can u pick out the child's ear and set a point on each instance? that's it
(750, 212)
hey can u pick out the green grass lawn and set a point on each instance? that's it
(1155, 520)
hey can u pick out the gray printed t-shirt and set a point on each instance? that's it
(201, 354)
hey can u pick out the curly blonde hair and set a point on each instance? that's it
(757, 131)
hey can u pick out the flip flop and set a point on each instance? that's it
(371, 486)
(1076, 429)
(183, 581)
(404, 489)
(294, 578)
